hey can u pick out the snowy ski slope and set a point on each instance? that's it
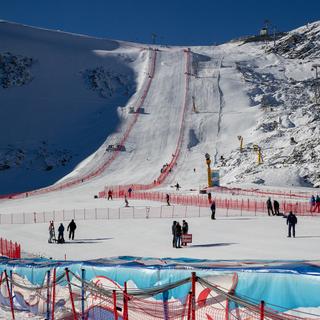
(227, 94)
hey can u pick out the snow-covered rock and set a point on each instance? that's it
(14, 70)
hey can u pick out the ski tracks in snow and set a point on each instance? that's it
(220, 113)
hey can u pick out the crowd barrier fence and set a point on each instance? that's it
(10, 249)
(131, 212)
(250, 205)
(68, 294)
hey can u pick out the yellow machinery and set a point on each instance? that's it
(208, 162)
(257, 149)
(240, 138)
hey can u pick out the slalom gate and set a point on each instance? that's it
(250, 205)
(126, 288)
(10, 249)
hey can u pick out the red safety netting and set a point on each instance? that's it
(250, 205)
(10, 249)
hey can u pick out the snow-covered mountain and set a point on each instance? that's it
(66, 98)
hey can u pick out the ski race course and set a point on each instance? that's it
(126, 115)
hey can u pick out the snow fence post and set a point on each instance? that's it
(115, 313)
(11, 284)
(83, 271)
(10, 294)
(48, 294)
(71, 295)
(227, 310)
(262, 310)
(193, 293)
(54, 291)
(189, 305)
(125, 302)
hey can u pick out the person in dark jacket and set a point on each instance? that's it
(291, 222)
(110, 194)
(129, 192)
(213, 210)
(178, 235)
(60, 233)
(168, 199)
(185, 229)
(209, 197)
(317, 207)
(173, 229)
(71, 228)
(276, 207)
(312, 204)
(269, 207)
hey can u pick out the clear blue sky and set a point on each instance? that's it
(180, 22)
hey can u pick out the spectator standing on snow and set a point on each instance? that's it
(269, 207)
(177, 186)
(173, 230)
(185, 229)
(317, 207)
(168, 199)
(71, 228)
(213, 210)
(51, 232)
(312, 203)
(129, 192)
(178, 235)
(126, 201)
(276, 206)
(209, 197)
(291, 222)
(110, 194)
(60, 233)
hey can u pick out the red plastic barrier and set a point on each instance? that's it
(265, 193)
(10, 249)
(250, 205)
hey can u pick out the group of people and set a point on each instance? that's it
(273, 209)
(177, 232)
(52, 234)
(315, 203)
